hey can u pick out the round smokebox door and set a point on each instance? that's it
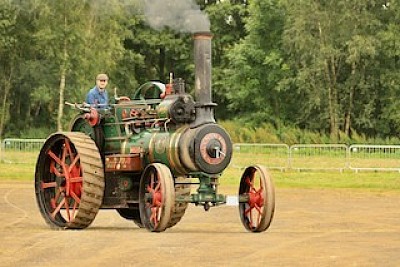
(212, 149)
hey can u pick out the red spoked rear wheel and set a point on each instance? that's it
(69, 180)
(258, 195)
(156, 197)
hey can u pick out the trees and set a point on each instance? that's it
(60, 46)
(60, 41)
(81, 35)
(8, 55)
(388, 119)
(326, 66)
(228, 27)
(257, 66)
(333, 47)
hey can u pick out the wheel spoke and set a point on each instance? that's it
(249, 182)
(156, 197)
(68, 150)
(66, 205)
(58, 208)
(54, 200)
(54, 157)
(48, 185)
(53, 169)
(75, 197)
(150, 190)
(155, 216)
(153, 212)
(75, 207)
(251, 224)
(247, 210)
(152, 180)
(257, 211)
(158, 186)
(53, 203)
(73, 163)
(73, 180)
(60, 180)
(72, 171)
(64, 152)
(158, 217)
(66, 172)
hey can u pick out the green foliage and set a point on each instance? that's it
(336, 48)
(34, 133)
(228, 27)
(290, 71)
(241, 132)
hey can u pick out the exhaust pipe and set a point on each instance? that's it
(202, 61)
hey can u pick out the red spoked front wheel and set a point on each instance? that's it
(257, 199)
(69, 180)
(156, 197)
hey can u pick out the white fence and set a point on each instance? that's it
(374, 157)
(301, 157)
(309, 157)
(14, 150)
(319, 157)
(274, 156)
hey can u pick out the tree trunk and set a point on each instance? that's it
(347, 121)
(61, 102)
(4, 112)
(332, 98)
(62, 89)
(330, 77)
(335, 102)
(5, 105)
(63, 71)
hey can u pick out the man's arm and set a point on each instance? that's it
(90, 98)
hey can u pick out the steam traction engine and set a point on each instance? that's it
(141, 155)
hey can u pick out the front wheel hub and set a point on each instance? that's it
(156, 197)
(258, 194)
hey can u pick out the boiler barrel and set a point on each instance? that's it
(207, 149)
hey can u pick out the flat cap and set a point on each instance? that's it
(102, 76)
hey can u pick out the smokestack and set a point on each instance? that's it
(202, 62)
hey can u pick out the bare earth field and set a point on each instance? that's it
(310, 228)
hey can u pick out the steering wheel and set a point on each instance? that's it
(123, 99)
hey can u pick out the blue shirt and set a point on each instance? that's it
(96, 98)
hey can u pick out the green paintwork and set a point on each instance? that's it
(142, 127)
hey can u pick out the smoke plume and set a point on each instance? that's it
(180, 15)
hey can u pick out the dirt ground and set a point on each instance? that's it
(310, 228)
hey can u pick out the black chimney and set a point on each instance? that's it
(202, 62)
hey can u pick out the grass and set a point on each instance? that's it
(292, 179)
(17, 172)
(18, 166)
(383, 181)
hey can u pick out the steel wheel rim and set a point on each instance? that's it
(69, 180)
(157, 197)
(257, 212)
(61, 189)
